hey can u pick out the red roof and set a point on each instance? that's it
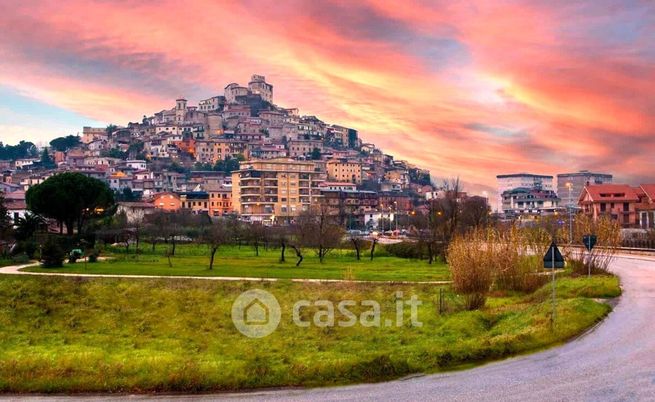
(611, 192)
(649, 190)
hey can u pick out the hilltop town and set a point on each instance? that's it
(236, 153)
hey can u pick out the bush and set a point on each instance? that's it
(502, 257)
(25, 247)
(20, 258)
(405, 249)
(471, 268)
(52, 254)
(93, 255)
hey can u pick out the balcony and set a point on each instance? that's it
(253, 190)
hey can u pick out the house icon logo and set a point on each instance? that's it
(256, 313)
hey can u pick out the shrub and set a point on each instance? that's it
(405, 249)
(471, 267)
(93, 255)
(21, 258)
(25, 247)
(608, 234)
(504, 257)
(52, 254)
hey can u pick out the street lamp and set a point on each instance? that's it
(569, 185)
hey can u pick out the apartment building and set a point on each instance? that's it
(212, 151)
(344, 170)
(571, 185)
(275, 189)
(528, 203)
(508, 182)
(303, 147)
(220, 199)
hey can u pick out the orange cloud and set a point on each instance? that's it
(470, 89)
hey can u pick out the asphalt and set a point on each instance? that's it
(613, 362)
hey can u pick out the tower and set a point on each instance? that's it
(180, 110)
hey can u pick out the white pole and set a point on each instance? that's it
(553, 276)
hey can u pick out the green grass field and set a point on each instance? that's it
(233, 261)
(143, 335)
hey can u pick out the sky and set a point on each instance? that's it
(468, 89)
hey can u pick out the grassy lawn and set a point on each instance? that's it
(193, 260)
(104, 334)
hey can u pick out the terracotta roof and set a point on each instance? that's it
(611, 192)
(136, 204)
(649, 190)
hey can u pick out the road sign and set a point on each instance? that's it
(589, 241)
(553, 258)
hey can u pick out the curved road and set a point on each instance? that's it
(616, 361)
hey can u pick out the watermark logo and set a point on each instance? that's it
(256, 313)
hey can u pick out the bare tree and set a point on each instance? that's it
(256, 235)
(281, 235)
(358, 244)
(475, 213)
(236, 230)
(320, 230)
(442, 220)
(374, 242)
(216, 235)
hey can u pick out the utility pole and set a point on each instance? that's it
(552, 322)
(570, 206)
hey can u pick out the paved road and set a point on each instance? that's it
(615, 362)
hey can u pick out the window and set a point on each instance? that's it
(626, 206)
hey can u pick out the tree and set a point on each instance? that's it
(281, 235)
(46, 160)
(127, 195)
(228, 164)
(52, 254)
(114, 153)
(316, 154)
(27, 225)
(374, 242)
(442, 220)
(475, 212)
(5, 222)
(24, 149)
(63, 144)
(359, 243)
(110, 129)
(320, 231)
(71, 199)
(256, 234)
(215, 235)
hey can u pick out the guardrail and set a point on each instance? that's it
(623, 250)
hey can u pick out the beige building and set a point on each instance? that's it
(211, 151)
(303, 147)
(275, 189)
(90, 134)
(344, 170)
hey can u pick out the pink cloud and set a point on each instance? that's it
(532, 87)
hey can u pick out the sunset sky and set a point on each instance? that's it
(469, 89)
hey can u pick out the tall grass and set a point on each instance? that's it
(500, 257)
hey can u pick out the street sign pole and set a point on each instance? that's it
(552, 318)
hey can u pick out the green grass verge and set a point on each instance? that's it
(597, 286)
(118, 335)
(233, 261)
